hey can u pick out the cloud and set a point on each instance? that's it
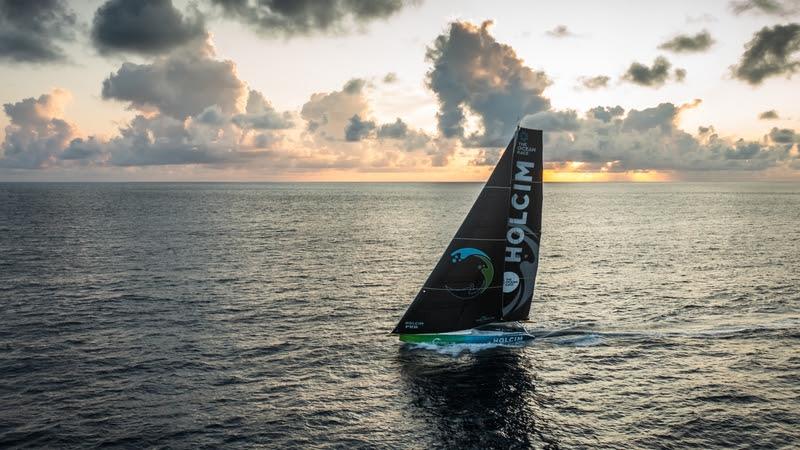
(182, 84)
(649, 139)
(783, 136)
(37, 132)
(164, 140)
(684, 43)
(768, 7)
(769, 115)
(339, 122)
(328, 114)
(396, 130)
(32, 31)
(553, 120)
(307, 17)
(654, 76)
(473, 73)
(606, 113)
(80, 149)
(195, 111)
(147, 26)
(770, 53)
(560, 31)
(259, 114)
(357, 128)
(390, 77)
(411, 139)
(595, 82)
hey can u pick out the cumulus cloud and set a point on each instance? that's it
(783, 136)
(553, 120)
(411, 139)
(390, 77)
(261, 115)
(560, 31)
(181, 84)
(33, 31)
(339, 122)
(595, 82)
(305, 17)
(146, 26)
(769, 115)
(606, 113)
(684, 43)
(770, 53)
(654, 76)
(649, 139)
(328, 114)
(396, 130)
(767, 7)
(37, 132)
(358, 129)
(473, 73)
(195, 111)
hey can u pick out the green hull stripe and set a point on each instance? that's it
(444, 339)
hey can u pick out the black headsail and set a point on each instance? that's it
(488, 271)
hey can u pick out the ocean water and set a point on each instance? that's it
(256, 315)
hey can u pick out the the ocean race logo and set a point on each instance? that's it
(471, 274)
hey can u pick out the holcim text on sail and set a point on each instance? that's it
(518, 214)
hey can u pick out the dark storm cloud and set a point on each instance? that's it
(606, 113)
(182, 84)
(596, 82)
(144, 26)
(305, 17)
(654, 76)
(561, 31)
(358, 129)
(33, 31)
(768, 7)
(769, 115)
(473, 72)
(770, 53)
(684, 43)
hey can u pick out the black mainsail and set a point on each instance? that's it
(488, 271)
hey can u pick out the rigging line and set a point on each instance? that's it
(478, 239)
(425, 288)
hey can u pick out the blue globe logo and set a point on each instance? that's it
(471, 273)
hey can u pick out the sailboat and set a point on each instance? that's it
(482, 286)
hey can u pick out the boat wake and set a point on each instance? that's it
(583, 335)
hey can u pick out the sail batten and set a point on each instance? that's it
(488, 270)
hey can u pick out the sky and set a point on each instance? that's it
(394, 90)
